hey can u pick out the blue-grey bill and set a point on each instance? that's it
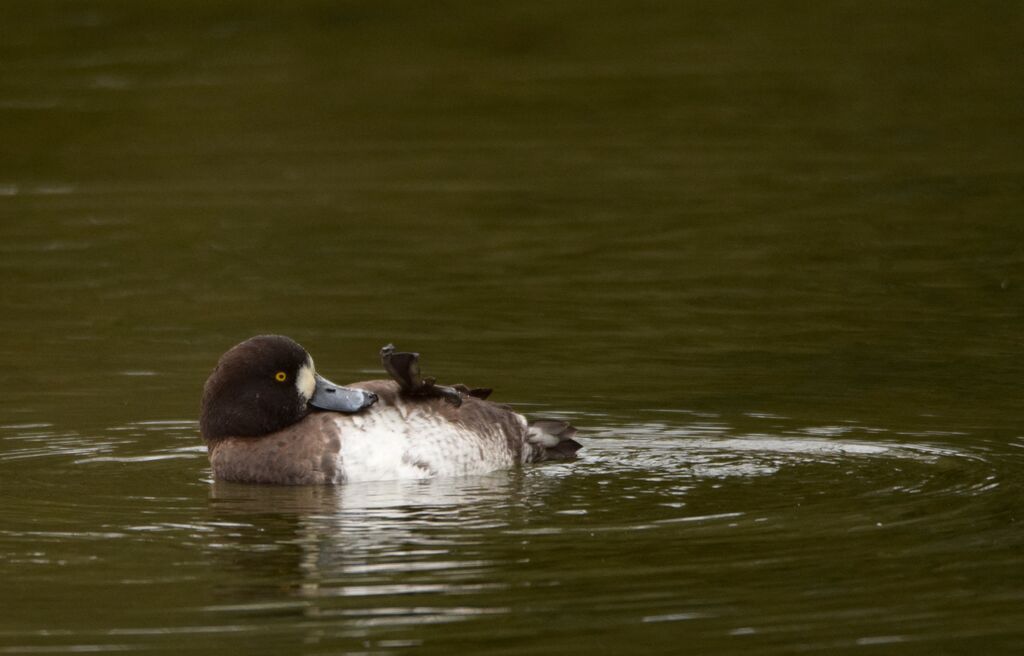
(328, 396)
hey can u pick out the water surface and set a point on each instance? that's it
(770, 261)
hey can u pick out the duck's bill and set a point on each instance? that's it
(328, 396)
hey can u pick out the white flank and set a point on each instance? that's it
(401, 441)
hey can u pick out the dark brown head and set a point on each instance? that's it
(268, 383)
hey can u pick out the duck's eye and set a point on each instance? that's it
(280, 376)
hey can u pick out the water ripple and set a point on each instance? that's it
(723, 508)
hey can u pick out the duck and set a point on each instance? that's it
(268, 417)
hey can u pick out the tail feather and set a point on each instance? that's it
(555, 437)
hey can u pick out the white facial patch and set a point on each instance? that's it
(306, 380)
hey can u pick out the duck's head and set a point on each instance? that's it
(268, 383)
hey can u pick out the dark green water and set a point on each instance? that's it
(768, 257)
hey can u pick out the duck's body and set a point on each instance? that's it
(394, 435)
(395, 438)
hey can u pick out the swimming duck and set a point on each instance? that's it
(268, 417)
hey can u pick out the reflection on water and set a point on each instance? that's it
(806, 535)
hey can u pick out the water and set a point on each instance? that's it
(769, 261)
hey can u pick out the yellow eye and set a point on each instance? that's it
(280, 376)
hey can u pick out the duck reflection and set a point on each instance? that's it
(359, 551)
